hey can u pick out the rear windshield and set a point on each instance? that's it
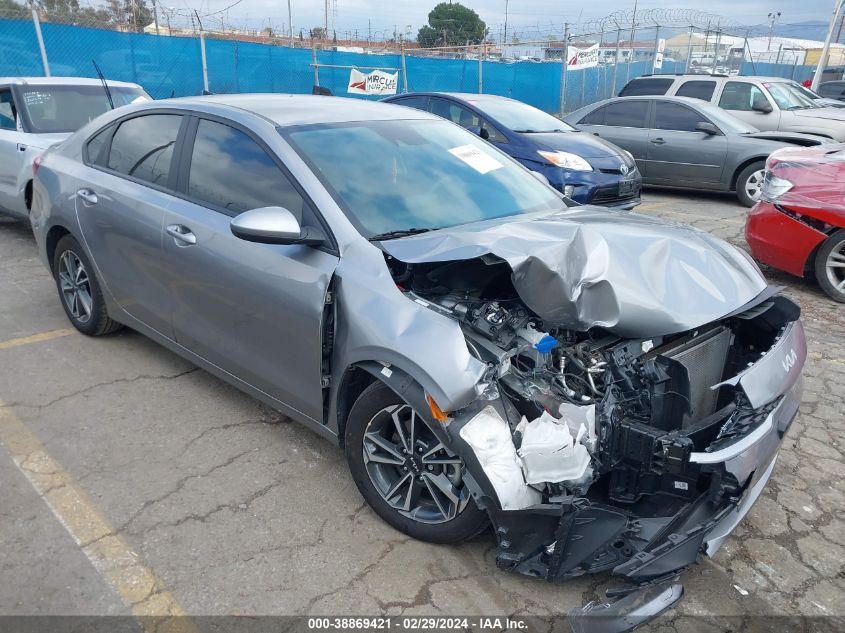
(649, 86)
(57, 109)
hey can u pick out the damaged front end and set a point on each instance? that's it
(597, 452)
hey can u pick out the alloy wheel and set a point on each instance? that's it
(754, 184)
(835, 267)
(411, 469)
(75, 286)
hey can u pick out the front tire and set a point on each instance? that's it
(749, 183)
(405, 474)
(79, 290)
(830, 266)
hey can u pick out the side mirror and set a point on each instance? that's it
(271, 225)
(761, 105)
(708, 128)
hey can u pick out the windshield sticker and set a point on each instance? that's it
(475, 158)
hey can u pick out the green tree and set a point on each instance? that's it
(11, 9)
(133, 13)
(452, 24)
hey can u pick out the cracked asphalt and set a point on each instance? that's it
(234, 509)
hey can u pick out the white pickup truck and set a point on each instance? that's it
(37, 112)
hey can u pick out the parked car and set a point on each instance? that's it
(607, 389)
(818, 99)
(833, 91)
(767, 103)
(799, 225)
(688, 143)
(587, 169)
(36, 112)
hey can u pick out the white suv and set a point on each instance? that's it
(37, 112)
(767, 103)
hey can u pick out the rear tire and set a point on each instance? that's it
(830, 266)
(749, 183)
(79, 290)
(418, 491)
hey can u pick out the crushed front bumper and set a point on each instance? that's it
(571, 536)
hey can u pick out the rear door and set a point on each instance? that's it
(254, 310)
(677, 152)
(11, 154)
(120, 202)
(739, 97)
(623, 123)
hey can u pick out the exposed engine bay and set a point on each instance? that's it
(599, 430)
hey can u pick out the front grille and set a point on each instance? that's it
(704, 358)
(609, 195)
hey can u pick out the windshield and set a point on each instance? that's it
(55, 109)
(399, 175)
(520, 117)
(789, 97)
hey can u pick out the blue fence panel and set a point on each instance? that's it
(787, 71)
(19, 53)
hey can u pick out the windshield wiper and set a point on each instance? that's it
(389, 235)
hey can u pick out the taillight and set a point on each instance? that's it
(36, 163)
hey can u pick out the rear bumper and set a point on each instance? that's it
(779, 240)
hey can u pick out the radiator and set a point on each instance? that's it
(704, 358)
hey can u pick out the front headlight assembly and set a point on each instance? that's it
(566, 160)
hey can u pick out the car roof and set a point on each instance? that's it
(465, 96)
(715, 77)
(62, 81)
(688, 100)
(288, 109)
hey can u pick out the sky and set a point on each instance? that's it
(382, 16)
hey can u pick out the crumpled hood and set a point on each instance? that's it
(635, 275)
(789, 137)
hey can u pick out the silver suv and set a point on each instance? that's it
(37, 112)
(767, 103)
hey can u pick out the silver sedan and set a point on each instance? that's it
(688, 143)
(608, 390)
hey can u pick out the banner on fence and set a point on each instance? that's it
(578, 58)
(376, 82)
(658, 56)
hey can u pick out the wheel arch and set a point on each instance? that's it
(738, 169)
(357, 377)
(51, 240)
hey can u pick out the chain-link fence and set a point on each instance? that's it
(187, 60)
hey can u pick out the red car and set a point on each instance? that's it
(799, 224)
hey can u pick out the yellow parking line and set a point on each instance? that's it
(35, 338)
(122, 568)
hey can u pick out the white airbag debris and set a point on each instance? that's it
(489, 436)
(548, 451)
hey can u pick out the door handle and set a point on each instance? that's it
(87, 195)
(658, 141)
(22, 147)
(181, 234)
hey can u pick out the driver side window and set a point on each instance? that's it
(741, 96)
(466, 118)
(8, 114)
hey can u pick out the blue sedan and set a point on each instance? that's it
(582, 166)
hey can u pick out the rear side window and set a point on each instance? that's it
(672, 116)
(647, 86)
(420, 103)
(697, 90)
(142, 147)
(626, 114)
(231, 171)
(95, 149)
(596, 117)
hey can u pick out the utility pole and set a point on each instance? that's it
(633, 37)
(773, 17)
(326, 21)
(505, 38)
(564, 62)
(817, 77)
(155, 15)
(290, 26)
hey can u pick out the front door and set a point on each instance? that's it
(678, 153)
(740, 97)
(120, 200)
(254, 310)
